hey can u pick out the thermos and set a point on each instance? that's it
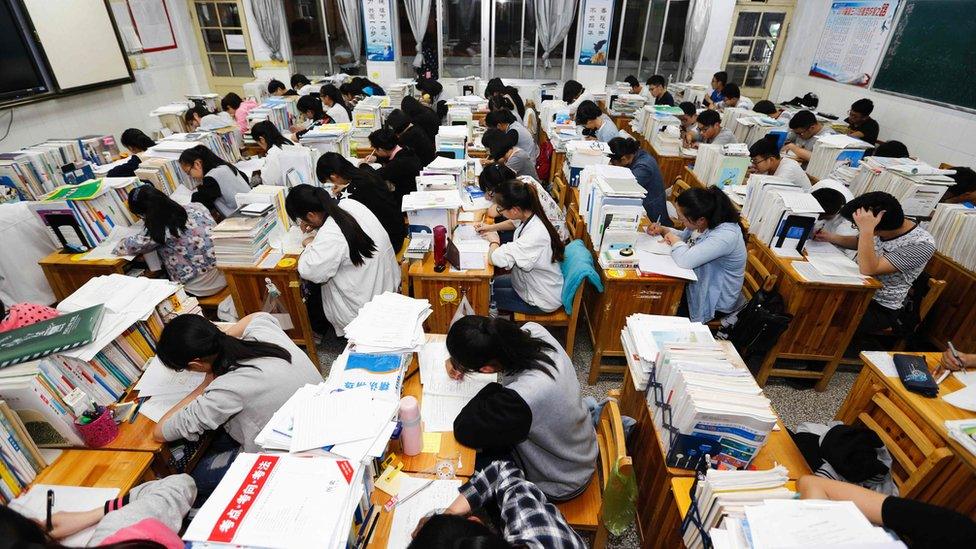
(440, 248)
(411, 435)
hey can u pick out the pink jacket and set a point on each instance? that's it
(147, 529)
(241, 113)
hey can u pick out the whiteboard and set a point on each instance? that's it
(79, 41)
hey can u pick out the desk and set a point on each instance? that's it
(825, 317)
(66, 274)
(444, 291)
(671, 166)
(624, 294)
(248, 290)
(424, 462)
(98, 469)
(953, 316)
(953, 486)
(658, 521)
(381, 534)
(691, 179)
(622, 121)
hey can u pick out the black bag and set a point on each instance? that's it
(759, 325)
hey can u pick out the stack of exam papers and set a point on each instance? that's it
(643, 335)
(443, 397)
(390, 323)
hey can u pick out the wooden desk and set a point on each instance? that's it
(622, 121)
(953, 316)
(624, 293)
(98, 469)
(954, 486)
(658, 521)
(248, 290)
(424, 462)
(671, 166)
(67, 272)
(381, 534)
(444, 291)
(825, 317)
(691, 179)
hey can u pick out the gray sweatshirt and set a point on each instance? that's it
(166, 500)
(243, 400)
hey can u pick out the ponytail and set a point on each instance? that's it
(710, 203)
(474, 341)
(159, 212)
(513, 192)
(191, 337)
(304, 199)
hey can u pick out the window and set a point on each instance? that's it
(462, 38)
(514, 39)
(753, 46)
(408, 44)
(223, 39)
(319, 46)
(643, 23)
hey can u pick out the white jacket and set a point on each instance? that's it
(346, 287)
(271, 170)
(536, 278)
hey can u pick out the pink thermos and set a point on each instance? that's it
(440, 248)
(411, 435)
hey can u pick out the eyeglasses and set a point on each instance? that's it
(758, 161)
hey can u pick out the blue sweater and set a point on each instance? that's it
(718, 258)
(648, 175)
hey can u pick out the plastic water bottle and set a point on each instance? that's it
(492, 309)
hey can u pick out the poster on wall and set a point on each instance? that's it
(378, 16)
(853, 41)
(597, 22)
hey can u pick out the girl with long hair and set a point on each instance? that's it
(220, 181)
(183, 236)
(349, 254)
(270, 139)
(335, 105)
(535, 283)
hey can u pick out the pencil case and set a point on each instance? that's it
(99, 432)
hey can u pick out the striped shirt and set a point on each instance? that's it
(909, 253)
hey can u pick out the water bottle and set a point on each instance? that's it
(411, 435)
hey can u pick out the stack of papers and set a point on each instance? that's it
(731, 116)
(390, 323)
(438, 495)
(580, 154)
(165, 388)
(628, 103)
(833, 151)
(443, 397)
(718, 166)
(399, 89)
(644, 335)
(279, 501)
(964, 432)
(917, 185)
(750, 129)
(451, 140)
(381, 373)
(97, 206)
(829, 268)
(654, 258)
(954, 228)
(241, 241)
(454, 167)
(606, 191)
(782, 216)
(329, 138)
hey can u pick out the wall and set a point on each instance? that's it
(932, 133)
(171, 74)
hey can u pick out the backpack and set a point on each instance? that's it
(759, 325)
(543, 164)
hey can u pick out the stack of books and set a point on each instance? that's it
(268, 194)
(278, 110)
(731, 116)
(644, 335)
(688, 91)
(428, 209)
(33, 171)
(954, 228)
(20, 460)
(225, 143)
(99, 149)
(367, 113)
(164, 173)
(580, 154)
(664, 133)
(209, 101)
(450, 141)
(242, 240)
(722, 165)
(606, 193)
(833, 151)
(628, 103)
(171, 116)
(399, 89)
(329, 138)
(781, 215)
(84, 215)
(441, 166)
(755, 191)
(918, 186)
(459, 115)
(750, 129)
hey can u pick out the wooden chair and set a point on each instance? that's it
(574, 223)
(756, 276)
(558, 192)
(680, 186)
(210, 303)
(559, 318)
(585, 511)
(404, 268)
(915, 457)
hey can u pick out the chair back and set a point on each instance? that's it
(574, 223)
(559, 192)
(756, 276)
(613, 445)
(680, 186)
(936, 287)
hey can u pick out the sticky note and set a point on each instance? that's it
(432, 443)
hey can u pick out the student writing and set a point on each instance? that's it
(149, 516)
(270, 139)
(137, 142)
(183, 236)
(689, 122)
(425, 117)
(365, 186)
(712, 245)
(592, 118)
(350, 254)
(635, 86)
(535, 283)
(514, 417)
(492, 177)
(502, 149)
(220, 181)
(806, 129)
(505, 120)
(574, 94)
(335, 106)
(626, 152)
(766, 160)
(411, 136)
(399, 165)
(237, 108)
(710, 130)
(716, 96)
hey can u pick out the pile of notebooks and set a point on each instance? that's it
(918, 186)
(163, 172)
(20, 460)
(389, 323)
(399, 89)
(644, 335)
(450, 141)
(171, 115)
(579, 155)
(780, 214)
(367, 113)
(835, 151)
(243, 240)
(722, 165)
(628, 103)
(224, 142)
(954, 228)
(329, 138)
(81, 216)
(688, 91)
(38, 169)
(750, 129)
(607, 192)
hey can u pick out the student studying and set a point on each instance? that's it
(860, 122)
(626, 152)
(220, 181)
(657, 87)
(411, 136)
(398, 165)
(591, 118)
(503, 149)
(271, 140)
(137, 143)
(335, 106)
(766, 159)
(805, 129)
(710, 130)
(492, 177)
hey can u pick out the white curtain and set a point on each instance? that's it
(553, 19)
(267, 13)
(352, 23)
(418, 13)
(696, 25)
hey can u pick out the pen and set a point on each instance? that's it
(362, 530)
(372, 527)
(942, 377)
(50, 507)
(415, 492)
(135, 412)
(955, 353)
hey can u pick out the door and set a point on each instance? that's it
(755, 43)
(224, 44)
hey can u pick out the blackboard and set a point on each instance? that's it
(932, 53)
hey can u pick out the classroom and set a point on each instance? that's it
(424, 274)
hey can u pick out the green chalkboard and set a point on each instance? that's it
(932, 54)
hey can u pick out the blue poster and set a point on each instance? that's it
(377, 18)
(597, 24)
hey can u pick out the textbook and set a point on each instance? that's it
(20, 460)
(834, 151)
(954, 228)
(722, 165)
(94, 208)
(50, 336)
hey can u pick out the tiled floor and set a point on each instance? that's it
(794, 406)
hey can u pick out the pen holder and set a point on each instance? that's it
(99, 432)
